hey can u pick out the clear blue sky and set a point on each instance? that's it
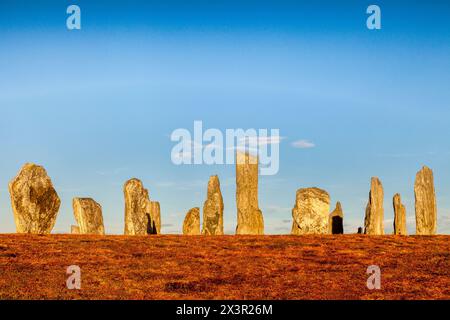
(96, 106)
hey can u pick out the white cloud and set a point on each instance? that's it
(261, 141)
(251, 144)
(303, 144)
(247, 149)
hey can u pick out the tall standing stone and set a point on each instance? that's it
(34, 201)
(311, 212)
(88, 214)
(138, 215)
(425, 201)
(191, 225)
(249, 217)
(155, 213)
(213, 209)
(399, 216)
(336, 222)
(374, 221)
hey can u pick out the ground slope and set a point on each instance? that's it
(224, 267)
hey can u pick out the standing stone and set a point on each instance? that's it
(74, 230)
(155, 213)
(336, 222)
(191, 225)
(311, 212)
(399, 216)
(374, 221)
(360, 230)
(249, 217)
(426, 208)
(213, 209)
(34, 201)
(138, 216)
(88, 215)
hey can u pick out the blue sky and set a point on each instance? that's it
(97, 106)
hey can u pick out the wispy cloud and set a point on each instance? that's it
(280, 227)
(167, 225)
(303, 144)
(251, 144)
(248, 149)
(261, 141)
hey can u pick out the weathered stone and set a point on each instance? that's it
(155, 214)
(74, 230)
(88, 215)
(213, 209)
(138, 213)
(34, 201)
(336, 222)
(425, 202)
(374, 221)
(399, 216)
(311, 212)
(191, 225)
(249, 217)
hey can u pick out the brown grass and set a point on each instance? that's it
(224, 267)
